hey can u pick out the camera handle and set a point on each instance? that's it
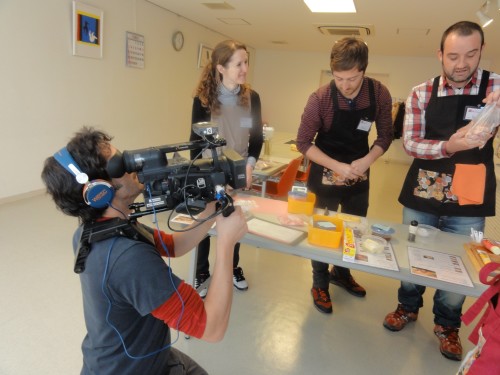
(224, 201)
(228, 209)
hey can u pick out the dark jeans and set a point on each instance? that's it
(181, 364)
(353, 204)
(447, 305)
(203, 265)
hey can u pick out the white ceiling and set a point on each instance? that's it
(400, 27)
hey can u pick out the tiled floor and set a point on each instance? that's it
(274, 327)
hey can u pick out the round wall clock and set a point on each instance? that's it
(178, 40)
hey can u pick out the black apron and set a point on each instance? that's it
(343, 142)
(428, 182)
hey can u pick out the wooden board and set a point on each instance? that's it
(274, 231)
(479, 255)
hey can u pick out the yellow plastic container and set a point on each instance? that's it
(301, 205)
(326, 237)
(350, 218)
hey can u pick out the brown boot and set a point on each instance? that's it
(321, 299)
(397, 320)
(450, 345)
(348, 283)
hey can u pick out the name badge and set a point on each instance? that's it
(471, 112)
(246, 122)
(364, 125)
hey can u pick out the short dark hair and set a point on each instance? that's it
(462, 28)
(86, 148)
(349, 53)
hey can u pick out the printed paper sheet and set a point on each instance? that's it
(439, 266)
(386, 259)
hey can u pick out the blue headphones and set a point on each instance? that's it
(96, 193)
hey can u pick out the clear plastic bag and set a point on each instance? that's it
(484, 125)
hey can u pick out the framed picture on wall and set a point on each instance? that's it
(87, 31)
(204, 55)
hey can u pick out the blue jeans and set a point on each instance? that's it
(447, 305)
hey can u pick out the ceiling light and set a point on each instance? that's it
(498, 4)
(484, 20)
(218, 5)
(331, 6)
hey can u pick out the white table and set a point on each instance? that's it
(272, 166)
(445, 242)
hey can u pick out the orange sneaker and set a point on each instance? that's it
(322, 301)
(397, 320)
(450, 345)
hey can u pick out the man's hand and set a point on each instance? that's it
(493, 97)
(361, 165)
(232, 228)
(458, 142)
(348, 171)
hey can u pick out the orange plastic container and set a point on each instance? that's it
(301, 205)
(326, 237)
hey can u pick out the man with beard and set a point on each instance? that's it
(437, 118)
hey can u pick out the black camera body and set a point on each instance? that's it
(185, 186)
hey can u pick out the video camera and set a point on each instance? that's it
(185, 186)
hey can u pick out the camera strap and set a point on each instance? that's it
(102, 230)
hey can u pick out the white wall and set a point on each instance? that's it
(285, 80)
(295, 75)
(47, 93)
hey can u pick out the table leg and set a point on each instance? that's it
(192, 273)
(263, 191)
(192, 266)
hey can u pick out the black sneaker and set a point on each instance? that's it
(239, 280)
(200, 279)
(348, 284)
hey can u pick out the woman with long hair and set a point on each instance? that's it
(223, 96)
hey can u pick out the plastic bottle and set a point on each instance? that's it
(412, 230)
(491, 246)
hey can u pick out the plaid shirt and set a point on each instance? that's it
(414, 124)
(318, 114)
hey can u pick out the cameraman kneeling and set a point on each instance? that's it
(130, 295)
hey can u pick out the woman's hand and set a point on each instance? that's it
(249, 170)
